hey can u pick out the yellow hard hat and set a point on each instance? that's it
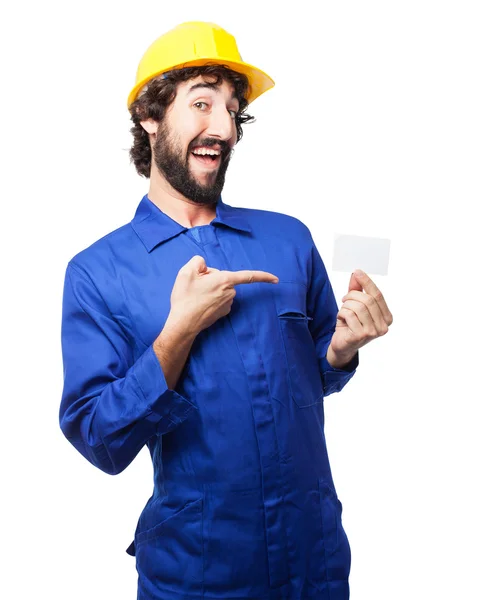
(194, 44)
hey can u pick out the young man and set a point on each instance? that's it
(224, 382)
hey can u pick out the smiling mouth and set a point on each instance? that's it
(208, 160)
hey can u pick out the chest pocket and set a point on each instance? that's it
(304, 376)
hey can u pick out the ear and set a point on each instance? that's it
(150, 126)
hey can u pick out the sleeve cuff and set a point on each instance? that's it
(335, 379)
(167, 406)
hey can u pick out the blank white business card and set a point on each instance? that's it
(369, 254)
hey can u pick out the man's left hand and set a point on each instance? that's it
(363, 317)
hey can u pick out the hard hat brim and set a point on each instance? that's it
(259, 81)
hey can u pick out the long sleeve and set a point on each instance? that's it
(322, 306)
(110, 404)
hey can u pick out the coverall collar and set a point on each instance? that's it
(154, 227)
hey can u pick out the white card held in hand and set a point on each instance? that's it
(369, 254)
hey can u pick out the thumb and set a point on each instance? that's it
(198, 264)
(354, 284)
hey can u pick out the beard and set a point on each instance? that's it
(175, 167)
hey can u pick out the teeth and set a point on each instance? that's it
(203, 151)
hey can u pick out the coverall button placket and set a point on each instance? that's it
(262, 412)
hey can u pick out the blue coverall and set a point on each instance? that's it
(244, 504)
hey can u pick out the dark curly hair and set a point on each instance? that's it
(160, 93)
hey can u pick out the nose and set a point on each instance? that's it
(222, 125)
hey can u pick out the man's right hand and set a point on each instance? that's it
(201, 295)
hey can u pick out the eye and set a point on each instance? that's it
(197, 103)
(233, 113)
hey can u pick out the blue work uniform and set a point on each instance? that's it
(243, 504)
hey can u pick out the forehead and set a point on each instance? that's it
(205, 84)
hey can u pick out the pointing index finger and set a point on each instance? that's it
(237, 277)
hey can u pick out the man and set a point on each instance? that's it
(224, 382)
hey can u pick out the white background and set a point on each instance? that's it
(372, 129)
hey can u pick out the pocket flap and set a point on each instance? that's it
(288, 314)
(290, 297)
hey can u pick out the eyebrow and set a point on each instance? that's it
(210, 86)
